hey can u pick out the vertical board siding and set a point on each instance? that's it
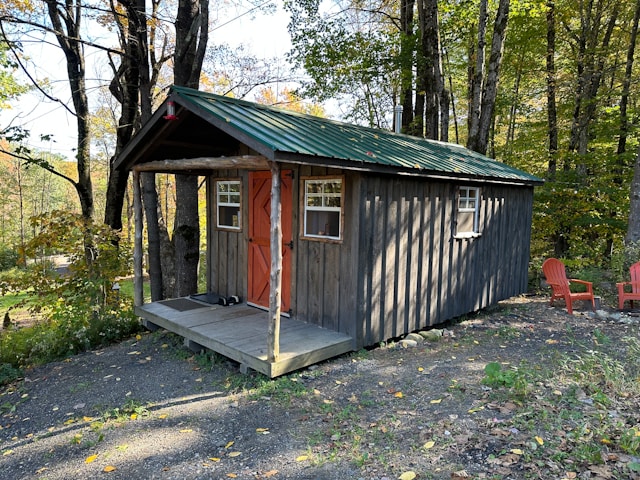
(398, 267)
(414, 272)
(227, 250)
(325, 273)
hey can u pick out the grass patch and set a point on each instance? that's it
(582, 411)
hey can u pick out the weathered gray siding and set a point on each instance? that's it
(413, 273)
(325, 275)
(227, 250)
(399, 267)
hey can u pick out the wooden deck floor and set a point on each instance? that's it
(239, 332)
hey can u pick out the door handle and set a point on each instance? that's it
(290, 244)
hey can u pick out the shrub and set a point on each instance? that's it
(79, 308)
(8, 258)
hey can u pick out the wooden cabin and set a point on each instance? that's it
(380, 234)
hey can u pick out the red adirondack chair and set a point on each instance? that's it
(556, 276)
(634, 294)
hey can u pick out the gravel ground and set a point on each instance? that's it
(149, 409)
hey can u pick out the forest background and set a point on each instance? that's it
(547, 86)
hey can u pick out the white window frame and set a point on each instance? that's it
(228, 202)
(468, 203)
(325, 196)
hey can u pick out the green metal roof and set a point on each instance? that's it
(282, 131)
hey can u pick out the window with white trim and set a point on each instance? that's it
(323, 208)
(468, 211)
(228, 204)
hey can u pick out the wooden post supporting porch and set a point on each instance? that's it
(275, 279)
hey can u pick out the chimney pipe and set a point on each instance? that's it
(397, 118)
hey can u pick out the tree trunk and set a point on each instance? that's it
(480, 139)
(633, 230)
(476, 77)
(186, 236)
(430, 61)
(626, 83)
(192, 30)
(66, 21)
(406, 55)
(552, 115)
(158, 277)
(126, 88)
(592, 53)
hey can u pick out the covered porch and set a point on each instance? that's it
(239, 332)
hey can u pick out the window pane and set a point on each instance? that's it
(332, 202)
(332, 187)
(223, 187)
(314, 201)
(229, 217)
(314, 187)
(325, 224)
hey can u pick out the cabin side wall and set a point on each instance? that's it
(413, 273)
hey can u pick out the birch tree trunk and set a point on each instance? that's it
(479, 138)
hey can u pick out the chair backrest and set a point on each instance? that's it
(556, 275)
(634, 270)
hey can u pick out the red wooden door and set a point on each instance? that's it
(260, 234)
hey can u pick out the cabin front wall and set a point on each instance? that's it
(323, 272)
(415, 273)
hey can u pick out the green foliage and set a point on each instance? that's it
(9, 86)
(8, 373)
(8, 258)
(79, 308)
(514, 379)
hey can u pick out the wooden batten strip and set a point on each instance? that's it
(248, 162)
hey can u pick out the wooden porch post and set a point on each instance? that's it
(138, 289)
(275, 292)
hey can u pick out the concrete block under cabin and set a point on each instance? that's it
(382, 233)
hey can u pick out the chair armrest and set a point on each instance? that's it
(634, 286)
(589, 285)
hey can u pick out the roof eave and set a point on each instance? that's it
(361, 166)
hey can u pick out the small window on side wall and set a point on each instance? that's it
(323, 208)
(228, 204)
(468, 218)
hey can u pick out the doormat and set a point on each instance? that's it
(182, 304)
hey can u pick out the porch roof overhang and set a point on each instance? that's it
(209, 131)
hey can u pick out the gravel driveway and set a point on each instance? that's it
(149, 409)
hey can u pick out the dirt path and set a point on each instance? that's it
(148, 409)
